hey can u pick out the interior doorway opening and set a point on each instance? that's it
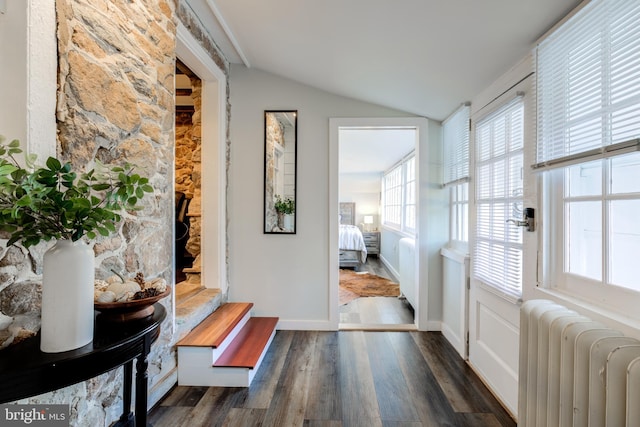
(188, 175)
(366, 203)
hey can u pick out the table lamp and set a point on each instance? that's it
(368, 220)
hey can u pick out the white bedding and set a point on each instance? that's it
(351, 239)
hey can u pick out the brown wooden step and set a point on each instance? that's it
(247, 347)
(217, 326)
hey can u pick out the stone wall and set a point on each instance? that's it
(189, 173)
(115, 103)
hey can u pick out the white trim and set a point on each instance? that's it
(422, 257)
(195, 56)
(42, 69)
(228, 32)
(214, 130)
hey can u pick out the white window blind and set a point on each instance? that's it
(455, 135)
(588, 85)
(499, 142)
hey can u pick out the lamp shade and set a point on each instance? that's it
(368, 219)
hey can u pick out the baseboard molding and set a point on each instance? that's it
(434, 326)
(393, 271)
(454, 340)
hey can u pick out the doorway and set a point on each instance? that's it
(377, 181)
(213, 271)
(420, 261)
(188, 170)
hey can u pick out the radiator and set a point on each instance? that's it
(407, 269)
(574, 371)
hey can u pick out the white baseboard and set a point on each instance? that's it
(434, 326)
(393, 271)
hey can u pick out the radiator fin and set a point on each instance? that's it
(574, 371)
(633, 392)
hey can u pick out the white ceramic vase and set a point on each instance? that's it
(67, 297)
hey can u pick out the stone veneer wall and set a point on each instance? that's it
(115, 103)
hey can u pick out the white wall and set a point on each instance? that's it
(284, 275)
(364, 190)
(432, 226)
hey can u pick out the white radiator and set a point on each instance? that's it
(407, 269)
(575, 372)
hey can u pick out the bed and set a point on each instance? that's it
(352, 248)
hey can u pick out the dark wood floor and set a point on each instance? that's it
(346, 378)
(374, 312)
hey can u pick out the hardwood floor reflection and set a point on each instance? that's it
(346, 378)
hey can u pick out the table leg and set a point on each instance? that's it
(126, 419)
(141, 384)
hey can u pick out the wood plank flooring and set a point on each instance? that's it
(373, 312)
(346, 378)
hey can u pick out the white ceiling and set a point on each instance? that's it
(373, 150)
(424, 57)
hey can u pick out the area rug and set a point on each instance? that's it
(355, 285)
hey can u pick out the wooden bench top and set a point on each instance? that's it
(217, 326)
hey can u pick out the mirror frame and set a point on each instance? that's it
(274, 223)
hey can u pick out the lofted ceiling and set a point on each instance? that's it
(424, 57)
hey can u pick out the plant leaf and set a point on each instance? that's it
(53, 164)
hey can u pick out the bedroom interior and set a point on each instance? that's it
(366, 155)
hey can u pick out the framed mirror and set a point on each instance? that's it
(280, 139)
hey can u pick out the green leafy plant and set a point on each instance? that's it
(286, 206)
(53, 202)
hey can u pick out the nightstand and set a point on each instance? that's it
(372, 242)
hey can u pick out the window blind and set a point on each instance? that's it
(455, 135)
(499, 142)
(588, 85)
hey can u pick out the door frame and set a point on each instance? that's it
(423, 154)
(494, 319)
(214, 143)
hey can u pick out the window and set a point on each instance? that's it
(588, 101)
(459, 212)
(600, 203)
(410, 195)
(499, 141)
(399, 196)
(455, 135)
(393, 197)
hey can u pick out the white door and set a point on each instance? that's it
(499, 176)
